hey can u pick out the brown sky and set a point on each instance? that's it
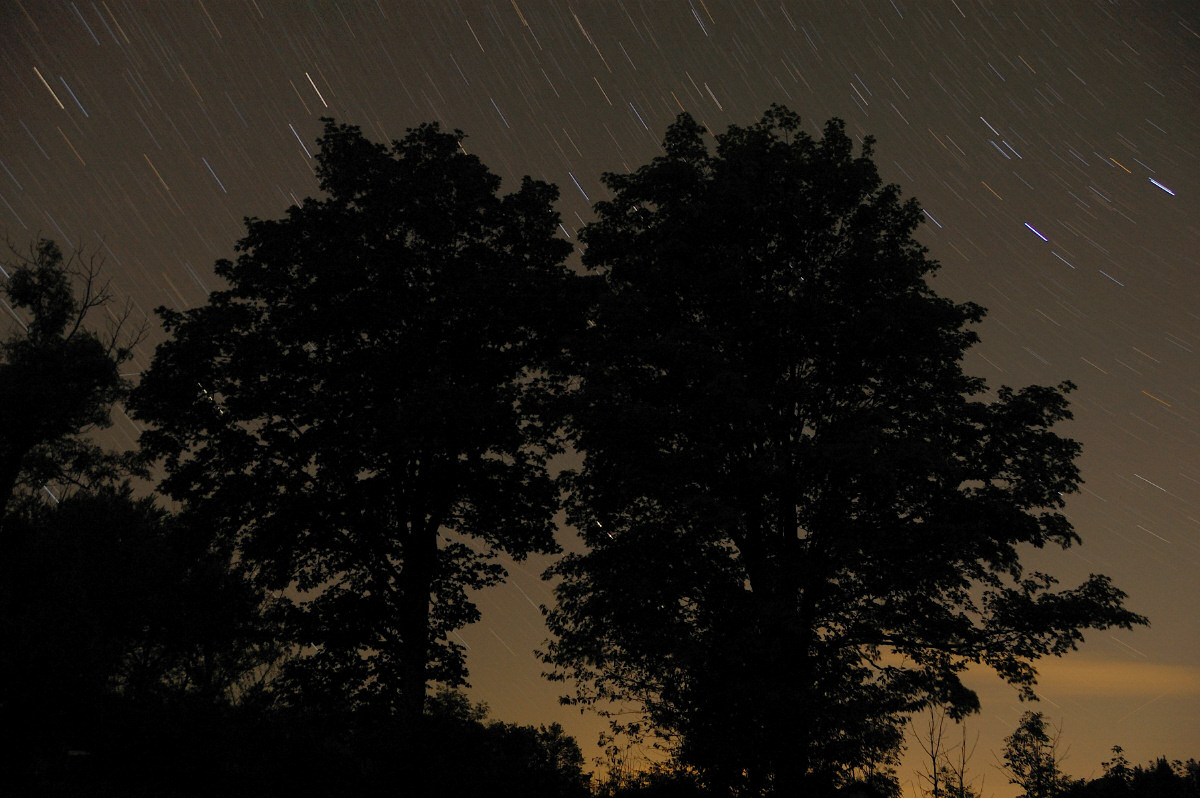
(1054, 147)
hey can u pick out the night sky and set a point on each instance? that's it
(1053, 147)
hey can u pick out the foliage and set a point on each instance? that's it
(108, 610)
(659, 782)
(1158, 779)
(465, 753)
(802, 518)
(109, 606)
(355, 415)
(188, 748)
(1031, 758)
(59, 378)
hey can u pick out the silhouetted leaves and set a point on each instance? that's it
(802, 518)
(465, 754)
(113, 618)
(1031, 758)
(1157, 779)
(356, 414)
(59, 377)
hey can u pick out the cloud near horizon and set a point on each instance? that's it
(1116, 679)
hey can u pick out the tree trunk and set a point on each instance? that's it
(420, 562)
(792, 735)
(10, 472)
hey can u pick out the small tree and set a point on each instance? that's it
(1118, 774)
(955, 775)
(944, 767)
(931, 778)
(59, 376)
(1032, 758)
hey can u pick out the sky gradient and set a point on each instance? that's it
(1053, 147)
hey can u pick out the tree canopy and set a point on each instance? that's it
(356, 414)
(802, 518)
(110, 607)
(59, 376)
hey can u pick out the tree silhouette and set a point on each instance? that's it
(955, 775)
(59, 377)
(944, 772)
(1158, 779)
(356, 414)
(110, 608)
(115, 622)
(1031, 758)
(78, 589)
(1118, 775)
(802, 518)
(931, 778)
(462, 752)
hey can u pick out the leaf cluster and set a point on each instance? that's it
(59, 376)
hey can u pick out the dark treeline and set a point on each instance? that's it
(1032, 761)
(800, 519)
(1158, 779)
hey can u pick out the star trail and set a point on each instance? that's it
(1052, 145)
